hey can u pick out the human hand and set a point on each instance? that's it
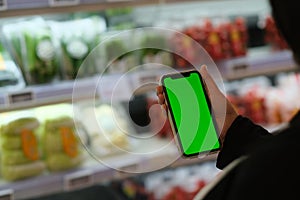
(222, 109)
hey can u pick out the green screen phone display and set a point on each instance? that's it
(190, 113)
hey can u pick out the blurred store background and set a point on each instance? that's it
(44, 43)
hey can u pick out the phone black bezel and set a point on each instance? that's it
(174, 125)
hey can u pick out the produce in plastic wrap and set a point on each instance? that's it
(60, 144)
(20, 155)
(119, 56)
(120, 18)
(10, 75)
(108, 130)
(157, 54)
(15, 172)
(33, 42)
(74, 52)
(13, 157)
(16, 126)
(115, 49)
(262, 102)
(77, 39)
(61, 161)
(41, 60)
(224, 40)
(12, 38)
(11, 142)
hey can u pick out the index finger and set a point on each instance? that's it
(159, 90)
(208, 80)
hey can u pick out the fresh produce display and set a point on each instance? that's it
(119, 18)
(157, 54)
(10, 75)
(221, 41)
(272, 36)
(131, 189)
(35, 50)
(20, 153)
(121, 57)
(180, 184)
(251, 104)
(47, 51)
(42, 62)
(118, 11)
(118, 56)
(78, 38)
(257, 99)
(11, 33)
(107, 129)
(61, 147)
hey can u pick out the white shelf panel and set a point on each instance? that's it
(32, 7)
(258, 62)
(33, 96)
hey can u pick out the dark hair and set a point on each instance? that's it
(286, 14)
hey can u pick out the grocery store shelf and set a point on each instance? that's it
(48, 183)
(39, 95)
(92, 172)
(30, 7)
(260, 61)
(45, 7)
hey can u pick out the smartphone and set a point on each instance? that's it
(189, 112)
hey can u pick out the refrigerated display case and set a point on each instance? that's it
(260, 59)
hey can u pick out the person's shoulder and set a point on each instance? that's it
(276, 154)
(272, 169)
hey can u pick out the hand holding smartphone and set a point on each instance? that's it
(189, 112)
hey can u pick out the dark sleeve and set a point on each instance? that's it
(240, 139)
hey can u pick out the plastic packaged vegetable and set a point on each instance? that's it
(60, 145)
(16, 172)
(20, 154)
(108, 130)
(12, 38)
(35, 50)
(77, 39)
(157, 53)
(119, 55)
(10, 75)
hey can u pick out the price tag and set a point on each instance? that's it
(57, 3)
(3, 5)
(239, 67)
(20, 97)
(6, 194)
(78, 180)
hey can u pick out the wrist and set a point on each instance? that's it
(230, 118)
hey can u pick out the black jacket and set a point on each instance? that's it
(271, 169)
